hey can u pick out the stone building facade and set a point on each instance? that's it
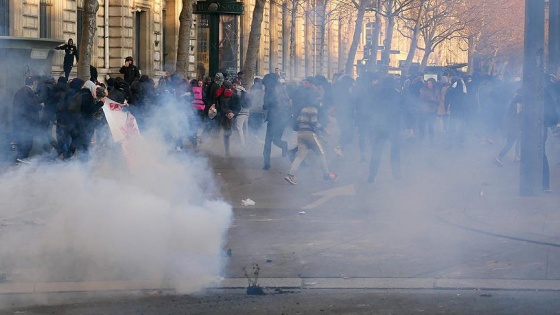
(148, 31)
(144, 29)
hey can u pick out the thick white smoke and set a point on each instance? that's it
(104, 221)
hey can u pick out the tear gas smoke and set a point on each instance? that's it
(72, 222)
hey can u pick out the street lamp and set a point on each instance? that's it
(373, 6)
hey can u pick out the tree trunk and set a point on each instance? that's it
(293, 39)
(425, 57)
(386, 54)
(349, 68)
(185, 25)
(414, 39)
(88, 35)
(472, 42)
(322, 32)
(254, 44)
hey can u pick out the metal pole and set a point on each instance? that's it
(214, 49)
(315, 37)
(531, 168)
(242, 42)
(553, 35)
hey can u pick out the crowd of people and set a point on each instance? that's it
(423, 109)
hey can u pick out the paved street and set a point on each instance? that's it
(453, 226)
(455, 215)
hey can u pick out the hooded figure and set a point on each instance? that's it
(70, 52)
(83, 128)
(130, 71)
(212, 90)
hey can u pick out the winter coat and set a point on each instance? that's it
(26, 107)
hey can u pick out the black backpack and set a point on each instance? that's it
(75, 103)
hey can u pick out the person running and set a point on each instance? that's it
(228, 105)
(277, 107)
(307, 128)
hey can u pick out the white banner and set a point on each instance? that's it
(122, 124)
(124, 129)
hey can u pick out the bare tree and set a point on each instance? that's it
(411, 26)
(494, 35)
(293, 7)
(254, 43)
(360, 6)
(390, 10)
(326, 12)
(185, 25)
(88, 35)
(293, 18)
(439, 22)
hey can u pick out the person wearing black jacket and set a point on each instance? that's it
(26, 118)
(276, 117)
(70, 52)
(130, 71)
(228, 104)
(387, 116)
(84, 128)
(65, 121)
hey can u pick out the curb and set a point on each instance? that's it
(294, 283)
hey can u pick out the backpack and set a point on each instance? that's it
(75, 103)
(245, 99)
(283, 100)
(197, 102)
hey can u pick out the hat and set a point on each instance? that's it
(228, 85)
(129, 58)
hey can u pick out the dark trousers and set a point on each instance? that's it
(378, 140)
(274, 131)
(510, 141)
(81, 133)
(63, 139)
(24, 133)
(67, 68)
(25, 144)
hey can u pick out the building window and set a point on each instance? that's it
(45, 7)
(4, 17)
(202, 54)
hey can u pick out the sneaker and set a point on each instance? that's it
(498, 162)
(330, 177)
(23, 161)
(291, 179)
